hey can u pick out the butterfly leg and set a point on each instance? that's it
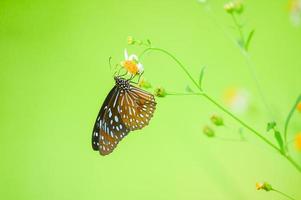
(140, 76)
(122, 74)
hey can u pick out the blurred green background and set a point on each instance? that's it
(55, 75)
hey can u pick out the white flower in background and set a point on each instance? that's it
(202, 1)
(238, 100)
(295, 12)
(131, 64)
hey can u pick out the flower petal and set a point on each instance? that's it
(126, 55)
(133, 57)
(140, 68)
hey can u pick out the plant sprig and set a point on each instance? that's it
(213, 101)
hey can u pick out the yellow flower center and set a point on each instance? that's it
(130, 66)
(230, 95)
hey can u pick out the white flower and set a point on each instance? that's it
(237, 99)
(295, 12)
(132, 64)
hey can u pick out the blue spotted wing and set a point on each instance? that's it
(126, 108)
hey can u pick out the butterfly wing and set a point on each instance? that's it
(136, 108)
(109, 128)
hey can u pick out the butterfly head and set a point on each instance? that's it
(122, 83)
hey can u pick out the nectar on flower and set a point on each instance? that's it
(131, 64)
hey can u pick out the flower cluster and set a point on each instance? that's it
(133, 41)
(234, 7)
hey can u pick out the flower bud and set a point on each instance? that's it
(131, 40)
(160, 92)
(263, 186)
(229, 7)
(144, 83)
(234, 6)
(217, 120)
(208, 131)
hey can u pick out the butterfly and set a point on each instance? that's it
(126, 108)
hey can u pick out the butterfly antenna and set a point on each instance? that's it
(110, 63)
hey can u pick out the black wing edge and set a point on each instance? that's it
(95, 137)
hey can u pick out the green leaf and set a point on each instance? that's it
(149, 42)
(290, 116)
(249, 38)
(188, 89)
(279, 139)
(201, 77)
(271, 126)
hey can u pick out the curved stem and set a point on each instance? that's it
(288, 120)
(176, 60)
(283, 194)
(242, 45)
(220, 106)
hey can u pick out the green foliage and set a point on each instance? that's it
(277, 135)
(271, 125)
(287, 121)
(279, 140)
(188, 89)
(201, 77)
(149, 42)
(249, 38)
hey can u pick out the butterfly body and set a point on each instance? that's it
(126, 108)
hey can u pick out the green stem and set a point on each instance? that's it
(241, 122)
(287, 121)
(238, 26)
(283, 194)
(253, 74)
(244, 52)
(183, 94)
(220, 106)
(176, 60)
